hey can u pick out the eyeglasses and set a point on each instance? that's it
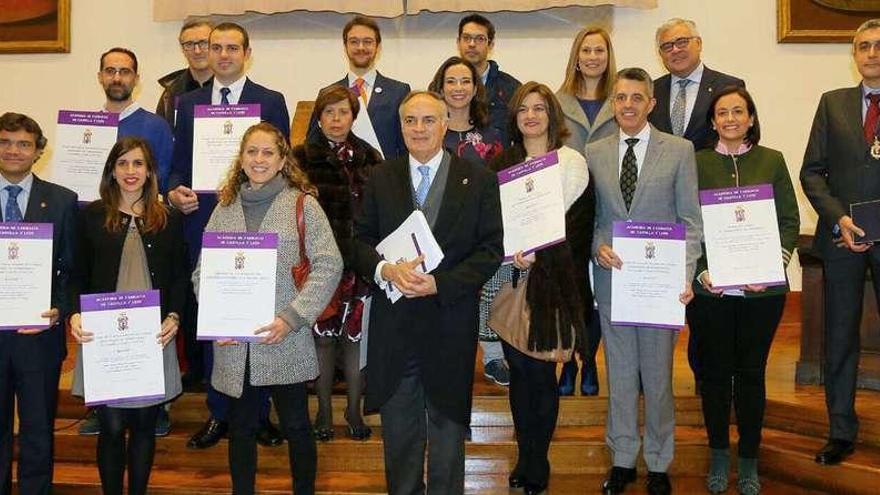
(364, 42)
(122, 71)
(478, 39)
(189, 46)
(680, 43)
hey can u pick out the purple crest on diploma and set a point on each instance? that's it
(530, 185)
(239, 260)
(87, 136)
(122, 322)
(12, 251)
(739, 214)
(650, 250)
(227, 128)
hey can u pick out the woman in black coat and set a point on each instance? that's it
(339, 164)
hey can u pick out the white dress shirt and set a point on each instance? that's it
(22, 199)
(234, 91)
(640, 148)
(369, 82)
(127, 111)
(690, 92)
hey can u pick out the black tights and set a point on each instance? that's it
(351, 352)
(113, 457)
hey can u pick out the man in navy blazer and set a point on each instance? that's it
(379, 125)
(683, 97)
(30, 359)
(229, 52)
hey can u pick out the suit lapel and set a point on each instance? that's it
(572, 108)
(704, 97)
(374, 99)
(248, 94)
(662, 106)
(605, 114)
(457, 186)
(36, 206)
(612, 151)
(650, 165)
(401, 190)
(852, 112)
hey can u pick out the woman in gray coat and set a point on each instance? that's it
(259, 195)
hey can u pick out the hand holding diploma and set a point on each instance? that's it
(184, 199)
(848, 231)
(523, 262)
(706, 281)
(52, 314)
(275, 331)
(607, 258)
(410, 282)
(165, 335)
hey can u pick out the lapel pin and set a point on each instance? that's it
(42, 205)
(464, 181)
(709, 89)
(378, 89)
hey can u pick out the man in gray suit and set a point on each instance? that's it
(840, 168)
(640, 174)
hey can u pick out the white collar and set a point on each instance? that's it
(433, 163)
(643, 136)
(369, 78)
(235, 87)
(25, 184)
(127, 111)
(694, 77)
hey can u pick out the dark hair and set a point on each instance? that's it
(155, 214)
(477, 19)
(360, 20)
(124, 51)
(231, 26)
(753, 135)
(637, 74)
(335, 94)
(14, 122)
(194, 24)
(479, 109)
(556, 130)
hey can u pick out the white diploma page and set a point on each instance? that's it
(25, 274)
(82, 143)
(124, 361)
(532, 205)
(742, 236)
(645, 291)
(237, 284)
(409, 241)
(217, 133)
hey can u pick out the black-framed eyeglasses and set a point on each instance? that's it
(477, 39)
(191, 45)
(122, 71)
(679, 43)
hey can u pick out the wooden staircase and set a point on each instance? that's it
(578, 455)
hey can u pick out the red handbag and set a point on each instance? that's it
(301, 271)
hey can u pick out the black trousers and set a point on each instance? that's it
(292, 405)
(844, 293)
(534, 404)
(30, 366)
(409, 423)
(114, 455)
(734, 346)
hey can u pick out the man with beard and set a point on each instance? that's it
(193, 41)
(380, 95)
(119, 76)
(476, 39)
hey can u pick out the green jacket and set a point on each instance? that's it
(759, 165)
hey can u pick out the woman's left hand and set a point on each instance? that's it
(523, 262)
(275, 331)
(168, 331)
(755, 288)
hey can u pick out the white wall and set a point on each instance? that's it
(298, 53)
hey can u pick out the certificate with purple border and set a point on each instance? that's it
(237, 284)
(532, 205)
(82, 143)
(645, 291)
(25, 274)
(124, 362)
(217, 133)
(741, 233)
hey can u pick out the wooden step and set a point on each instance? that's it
(82, 479)
(813, 421)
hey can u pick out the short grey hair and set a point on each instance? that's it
(676, 21)
(869, 24)
(431, 94)
(637, 74)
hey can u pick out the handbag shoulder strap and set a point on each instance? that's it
(301, 226)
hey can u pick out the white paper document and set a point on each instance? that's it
(532, 205)
(217, 133)
(82, 143)
(124, 361)
(25, 274)
(741, 232)
(237, 284)
(645, 291)
(409, 241)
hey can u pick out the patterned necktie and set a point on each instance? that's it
(424, 185)
(13, 212)
(358, 88)
(872, 118)
(629, 173)
(344, 151)
(224, 96)
(678, 107)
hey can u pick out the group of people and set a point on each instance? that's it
(628, 148)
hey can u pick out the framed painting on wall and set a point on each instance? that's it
(822, 21)
(35, 26)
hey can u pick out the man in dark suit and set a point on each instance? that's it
(380, 95)
(30, 359)
(193, 39)
(422, 348)
(229, 53)
(841, 167)
(683, 96)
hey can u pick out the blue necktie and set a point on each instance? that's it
(424, 185)
(13, 212)
(224, 96)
